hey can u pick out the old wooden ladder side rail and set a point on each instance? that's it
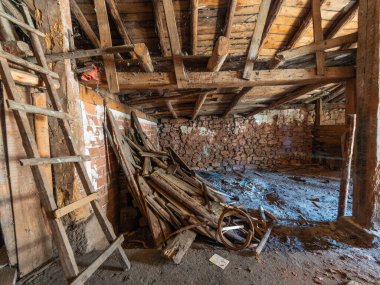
(65, 250)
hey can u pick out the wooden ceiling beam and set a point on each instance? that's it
(171, 109)
(237, 100)
(219, 54)
(194, 25)
(256, 38)
(345, 17)
(230, 79)
(287, 97)
(143, 55)
(160, 27)
(318, 35)
(105, 42)
(179, 67)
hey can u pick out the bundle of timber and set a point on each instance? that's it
(176, 202)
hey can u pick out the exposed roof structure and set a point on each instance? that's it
(204, 57)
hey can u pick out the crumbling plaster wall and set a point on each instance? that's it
(269, 140)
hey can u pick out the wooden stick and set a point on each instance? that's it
(263, 241)
(348, 152)
(21, 24)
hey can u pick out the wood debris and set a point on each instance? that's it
(177, 203)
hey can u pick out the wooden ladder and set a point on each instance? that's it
(65, 251)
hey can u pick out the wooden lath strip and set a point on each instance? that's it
(256, 39)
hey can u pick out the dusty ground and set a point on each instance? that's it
(306, 246)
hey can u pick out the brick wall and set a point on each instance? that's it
(103, 167)
(268, 140)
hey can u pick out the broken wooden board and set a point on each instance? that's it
(178, 246)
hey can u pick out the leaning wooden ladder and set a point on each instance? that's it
(34, 160)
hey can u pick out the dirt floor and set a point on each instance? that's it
(306, 246)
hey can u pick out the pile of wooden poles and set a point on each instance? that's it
(176, 202)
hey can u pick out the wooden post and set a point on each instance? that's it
(366, 202)
(41, 128)
(318, 112)
(348, 152)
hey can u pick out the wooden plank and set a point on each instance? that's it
(142, 53)
(106, 41)
(161, 27)
(21, 24)
(179, 67)
(54, 160)
(41, 129)
(28, 64)
(348, 151)
(13, 105)
(223, 79)
(194, 25)
(178, 246)
(83, 276)
(318, 35)
(73, 206)
(198, 104)
(237, 100)
(366, 176)
(28, 79)
(256, 39)
(219, 54)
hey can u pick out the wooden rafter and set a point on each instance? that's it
(287, 97)
(179, 67)
(171, 109)
(160, 27)
(237, 100)
(106, 41)
(345, 17)
(318, 35)
(194, 25)
(256, 39)
(230, 18)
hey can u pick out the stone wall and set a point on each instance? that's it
(269, 140)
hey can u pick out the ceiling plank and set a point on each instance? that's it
(237, 100)
(256, 38)
(318, 35)
(230, 79)
(160, 27)
(194, 25)
(198, 105)
(106, 41)
(287, 98)
(179, 67)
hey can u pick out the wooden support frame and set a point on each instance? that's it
(105, 42)
(256, 39)
(318, 35)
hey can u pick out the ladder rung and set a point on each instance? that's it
(21, 24)
(13, 105)
(73, 206)
(84, 275)
(54, 160)
(27, 64)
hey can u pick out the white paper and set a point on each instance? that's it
(219, 261)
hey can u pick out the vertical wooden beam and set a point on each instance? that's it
(106, 41)
(179, 67)
(194, 26)
(318, 35)
(366, 202)
(256, 39)
(348, 151)
(350, 93)
(318, 112)
(41, 129)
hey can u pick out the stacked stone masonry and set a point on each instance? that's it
(269, 140)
